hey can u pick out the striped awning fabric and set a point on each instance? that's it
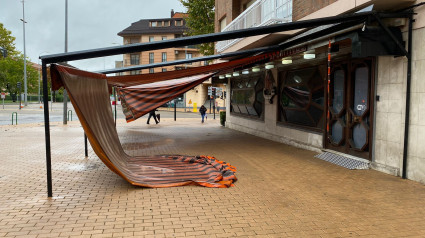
(138, 100)
(90, 97)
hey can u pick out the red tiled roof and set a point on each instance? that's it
(180, 15)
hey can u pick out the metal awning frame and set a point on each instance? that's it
(340, 20)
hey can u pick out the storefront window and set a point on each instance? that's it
(301, 97)
(247, 95)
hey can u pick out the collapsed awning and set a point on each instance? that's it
(143, 93)
(193, 40)
(89, 95)
(138, 100)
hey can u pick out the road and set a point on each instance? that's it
(34, 113)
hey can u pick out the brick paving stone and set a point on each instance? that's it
(282, 191)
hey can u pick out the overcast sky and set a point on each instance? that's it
(91, 24)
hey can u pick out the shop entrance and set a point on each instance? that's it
(351, 93)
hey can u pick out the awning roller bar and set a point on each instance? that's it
(214, 37)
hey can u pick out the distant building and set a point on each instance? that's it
(149, 30)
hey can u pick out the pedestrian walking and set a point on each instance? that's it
(203, 111)
(152, 114)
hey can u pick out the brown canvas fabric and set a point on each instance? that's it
(138, 79)
(89, 95)
(139, 100)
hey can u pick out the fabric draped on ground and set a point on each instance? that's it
(89, 95)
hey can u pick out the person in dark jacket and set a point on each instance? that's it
(203, 112)
(152, 114)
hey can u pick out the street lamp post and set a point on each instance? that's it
(25, 55)
(65, 95)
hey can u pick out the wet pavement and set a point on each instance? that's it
(281, 191)
(34, 113)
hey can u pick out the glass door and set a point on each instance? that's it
(349, 127)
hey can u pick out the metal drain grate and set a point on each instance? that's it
(343, 161)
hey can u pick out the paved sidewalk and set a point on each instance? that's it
(282, 191)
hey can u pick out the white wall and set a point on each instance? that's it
(390, 111)
(389, 114)
(416, 149)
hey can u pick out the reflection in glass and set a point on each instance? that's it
(338, 91)
(302, 97)
(361, 89)
(337, 132)
(235, 108)
(315, 113)
(301, 76)
(298, 117)
(296, 98)
(318, 97)
(242, 109)
(251, 110)
(247, 95)
(359, 136)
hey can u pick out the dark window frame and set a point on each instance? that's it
(320, 87)
(134, 59)
(187, 57)
(257, 90)
(151, 58)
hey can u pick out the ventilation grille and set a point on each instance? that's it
(343, 161)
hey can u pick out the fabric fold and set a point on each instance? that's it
(89, 95)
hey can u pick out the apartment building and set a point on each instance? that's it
(151, 30)
(344, 92)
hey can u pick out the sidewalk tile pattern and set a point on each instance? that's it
(281, 191)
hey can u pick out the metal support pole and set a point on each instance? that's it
(20, 98)
(175, 109)
(115, 106)
(25, 56)
(214, 105)
(408, 83)
(39, 93)
(65, 95)
(47, 131)
(86, 152)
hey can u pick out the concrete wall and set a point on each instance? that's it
(389, 114)
(416, 149)
(390, 111)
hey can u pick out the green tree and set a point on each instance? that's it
(12, 67)
(200, 21)
(12, 72)
(7, 41)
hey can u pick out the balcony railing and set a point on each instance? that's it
(261, 13)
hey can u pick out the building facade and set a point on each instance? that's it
(151, 30)
(360, 112)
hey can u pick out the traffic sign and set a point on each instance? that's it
(3, 95)
(19, 84)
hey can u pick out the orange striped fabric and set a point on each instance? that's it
(139, 100)
(89, 95)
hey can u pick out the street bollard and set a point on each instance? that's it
(69, 112)
(16, 118)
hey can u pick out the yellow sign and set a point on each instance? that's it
(195, 109)
(190, 101)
